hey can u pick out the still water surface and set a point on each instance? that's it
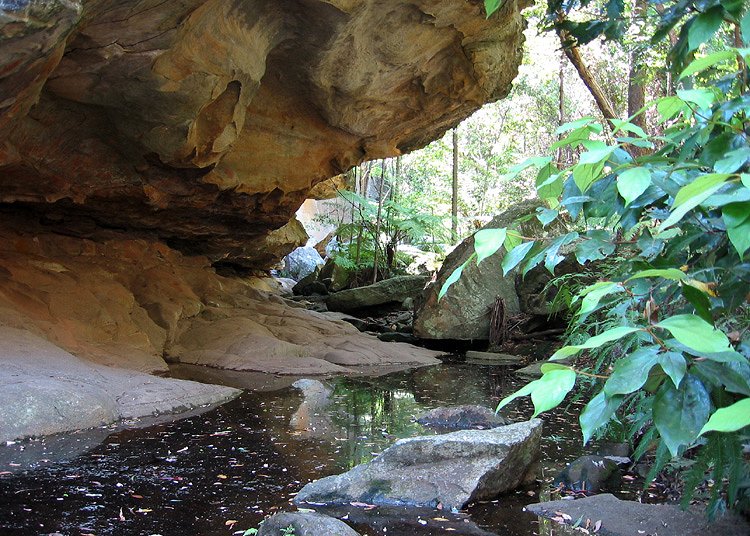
(223, 471)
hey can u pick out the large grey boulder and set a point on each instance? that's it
(450, 469)
(388, 291)
(464, 312)
(302, 262)
(629, 518)
(304, 524)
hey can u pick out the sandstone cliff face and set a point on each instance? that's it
(204, 123)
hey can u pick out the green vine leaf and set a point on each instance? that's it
(730, 418)
(597, 413)
(631, 371)
(679, 414)
(594, 342)
(546, 392)
(696, 333)
(487, 242)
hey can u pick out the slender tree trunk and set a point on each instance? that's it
(636, 72)
(454, 196)
(376, 238)
(561, 105)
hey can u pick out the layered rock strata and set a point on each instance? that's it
(205, 123)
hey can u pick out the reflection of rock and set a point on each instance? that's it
(414, 521)
(310, 419)
(451, 469)
(304, 524)
(462, 418)
(629, 518)
(589, 474)
(389, 291)
(494, 357)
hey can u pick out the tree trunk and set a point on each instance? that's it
(636, 72)
(574, 56)
(454, 196)
(376, 237)
(561, 107)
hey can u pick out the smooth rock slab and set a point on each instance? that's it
(494, 357)
(461, 418)
(450, 469)
(630, 518)
(393, 290)
(305, 524)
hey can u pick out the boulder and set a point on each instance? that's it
(462, 418)
(464, 312)
(589, 474)
(629, 518)
(451, 470)
(391, 291)
(304, 524)
(302, 262)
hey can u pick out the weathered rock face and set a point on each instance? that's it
(133, 304)
(450, 469)
(305, 524)
(205, 123)
(464, 312)
(388, 291)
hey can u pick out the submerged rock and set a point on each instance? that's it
(495, 357)
(304, 524)
(462, 418)
(630, 518)
(451, 470)
(589, 474)
(386, 292)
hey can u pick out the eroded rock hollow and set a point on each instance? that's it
(143, 143)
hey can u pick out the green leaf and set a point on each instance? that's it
(552, 259)
(674, 365)
(594, 342)
(490, 6)
(667, 273)
(668, 107)
(626, 126)
(487, 242)
(514, 257)
(631, 371)
(548, 367)
(597, 413)
(546, 392)
(455, 276)
(549, 183)
(692, 195)
(578, 123)
(594, 293)
(737, 219)
(632, 183)
(696, 333)
(546, 215)
(598, 246)
(701, 64)
(512, 240)
(745, 178)
(679, 414)
(596, 156)
(745, 27)
(723, 373)
(732, 161)
(584, 175)
(698, 187)
(551, 390)
(704, 27)
(729, 419)
(699, 301)
(704, 98)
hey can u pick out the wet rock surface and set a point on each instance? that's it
(449, 470)
(589, 474)
(462, 418)
(304, 524)
(628, 518)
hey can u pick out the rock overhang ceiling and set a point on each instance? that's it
(205, 123)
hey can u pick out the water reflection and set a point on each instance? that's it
(245, 459)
